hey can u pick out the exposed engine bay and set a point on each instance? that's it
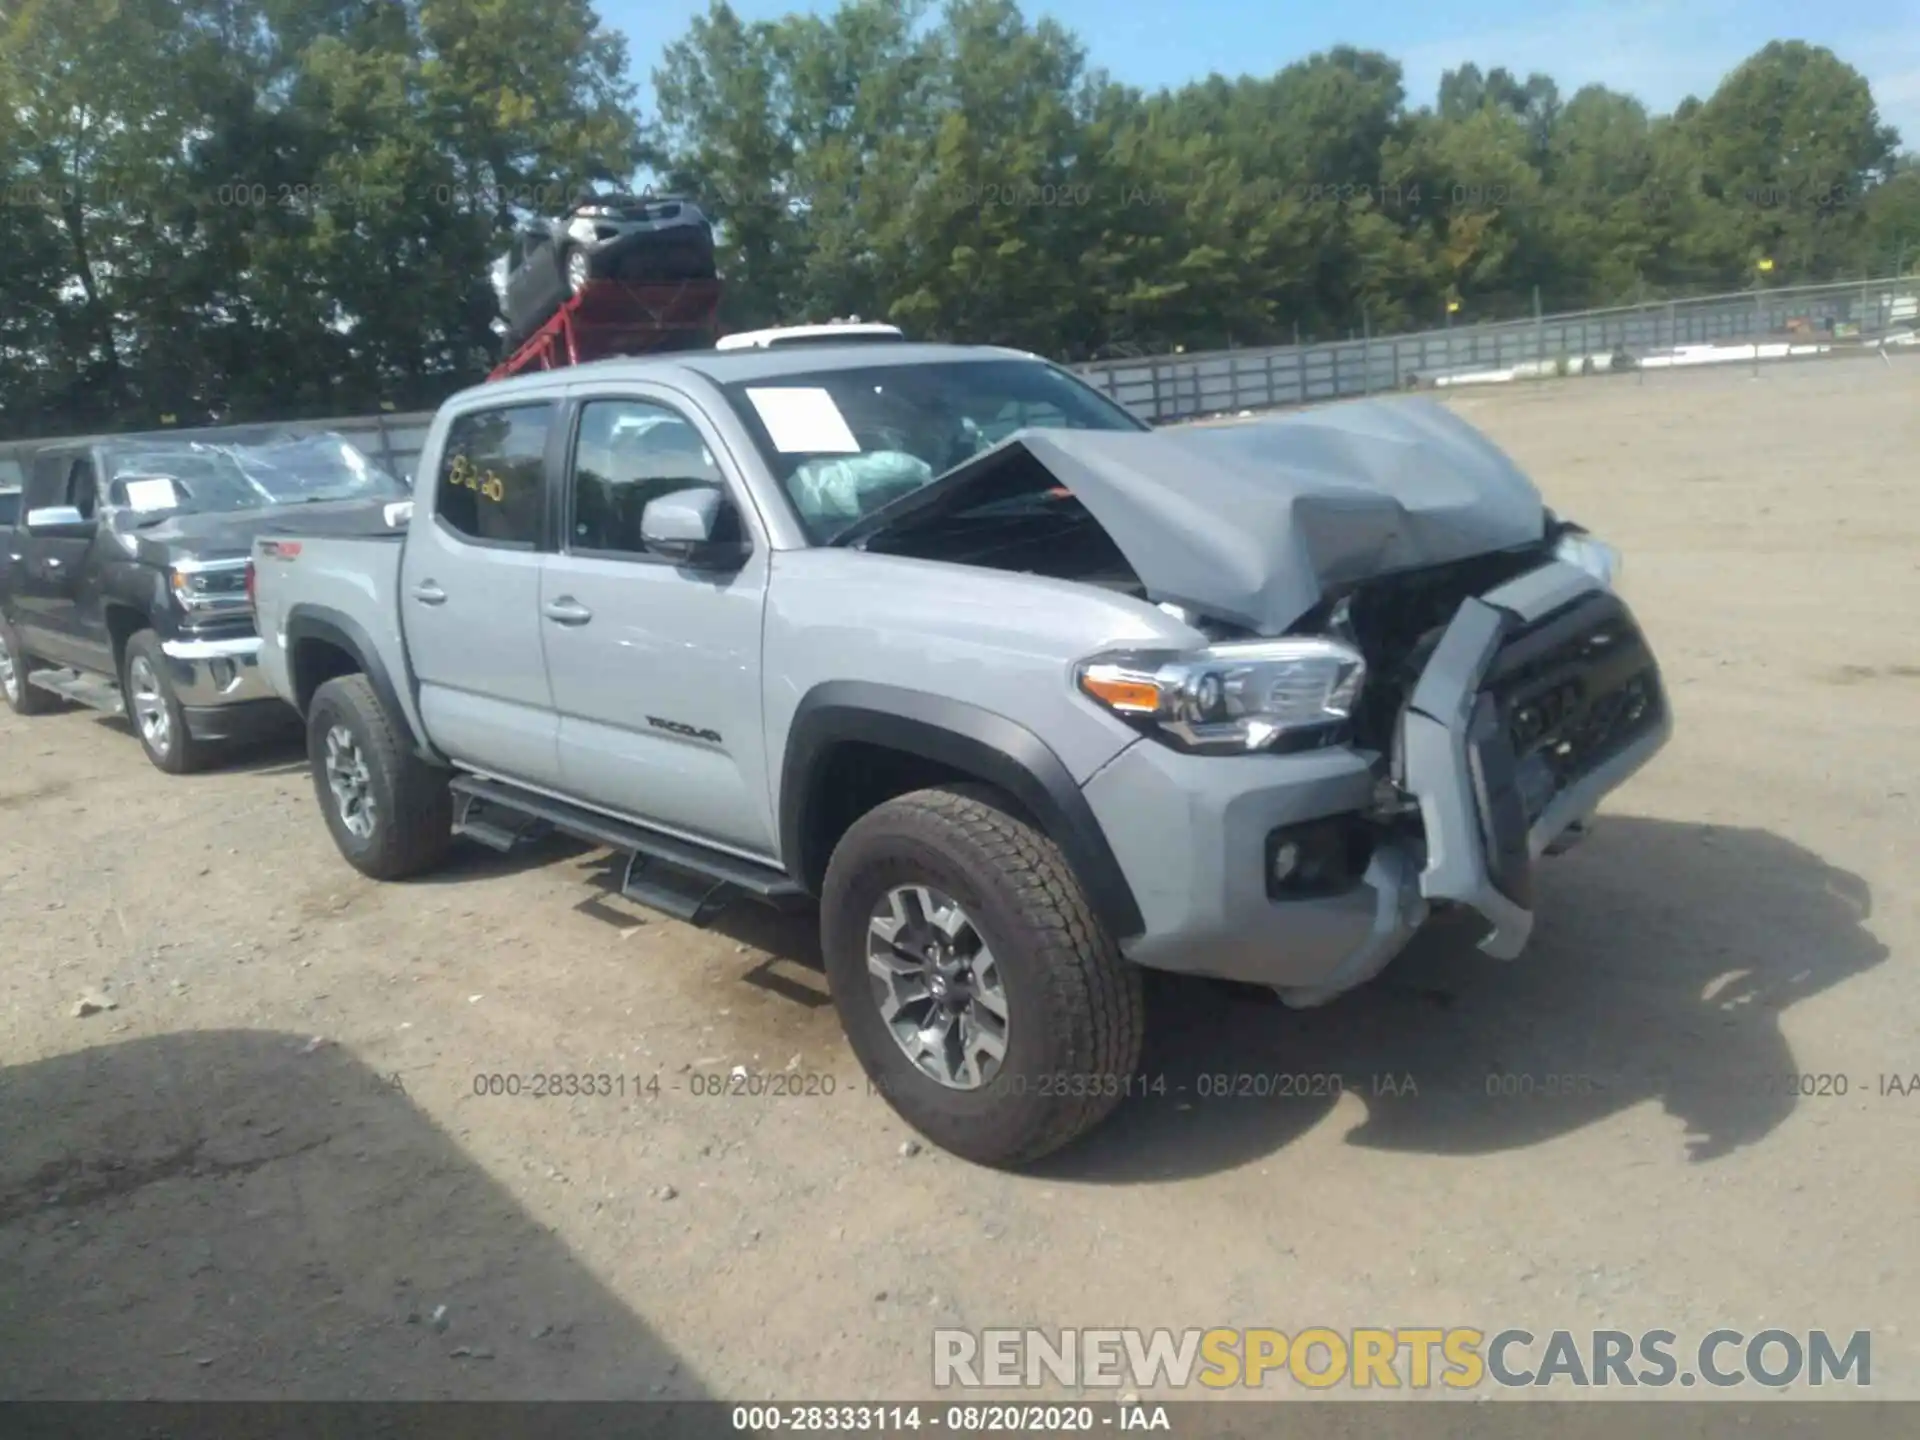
(1361, 528)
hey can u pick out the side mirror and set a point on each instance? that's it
(694, 528)
(59, 522)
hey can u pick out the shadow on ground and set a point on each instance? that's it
(1663, 958)
(279, 750)
(228, 1215)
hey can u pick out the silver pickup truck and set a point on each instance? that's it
(1026, 695)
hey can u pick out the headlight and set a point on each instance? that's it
(597, 212)
(1596, 557)
(198, 589)
(1232, 697)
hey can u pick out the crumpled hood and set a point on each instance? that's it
(1255, 523)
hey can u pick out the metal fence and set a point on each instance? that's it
(1184, 387)
(1169, 388)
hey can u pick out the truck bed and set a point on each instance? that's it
(349, 582)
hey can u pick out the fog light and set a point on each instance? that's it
(1322, 857)
(1286, 859)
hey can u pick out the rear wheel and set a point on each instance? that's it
(976, 987)
(155, 711)
(390, 812)
(15, 665)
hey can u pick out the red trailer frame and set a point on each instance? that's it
(617, 317)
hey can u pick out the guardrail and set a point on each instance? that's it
(1168, 388)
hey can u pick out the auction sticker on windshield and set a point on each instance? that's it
(151, 495)
(803, 420)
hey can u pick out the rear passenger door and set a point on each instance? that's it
(656, 667)
(470, 594)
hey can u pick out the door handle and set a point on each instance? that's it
(428, 593)
(53, 562)
(567, 611)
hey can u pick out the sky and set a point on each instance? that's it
(1659, 50)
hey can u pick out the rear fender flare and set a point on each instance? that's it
(320, 622)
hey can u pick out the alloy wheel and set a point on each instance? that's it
(350, 782)
(938, 986)
(149, 705)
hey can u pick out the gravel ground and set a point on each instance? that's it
(264, 1170)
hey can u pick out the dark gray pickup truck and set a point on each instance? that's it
(123, 578)
(1028, 696)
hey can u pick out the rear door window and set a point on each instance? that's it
(48, 485)
(492, 482)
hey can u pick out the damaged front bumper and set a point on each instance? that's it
(1486, 818)
(1539, 699)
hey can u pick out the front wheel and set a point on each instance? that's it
(982, 997)
(155, 711)
(390, 812)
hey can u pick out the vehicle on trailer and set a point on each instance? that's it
(125, 579)
(1028, 696)
(636, 240)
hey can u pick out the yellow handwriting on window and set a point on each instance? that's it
(485, 483)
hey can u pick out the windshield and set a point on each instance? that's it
(843, 443)
(155, 480)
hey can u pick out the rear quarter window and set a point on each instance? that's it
(492, 475)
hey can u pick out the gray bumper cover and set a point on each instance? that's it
(1437, 765)
(1188, 830)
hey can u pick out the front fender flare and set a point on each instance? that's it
(989, 747)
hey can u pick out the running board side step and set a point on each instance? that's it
(96, 692)
(688, 881)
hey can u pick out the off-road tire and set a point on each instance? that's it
(412, 827)
(1077, 1016)
(24, 698)
(182, 754)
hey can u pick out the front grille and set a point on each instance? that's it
(1573, 691)
(1397, 619)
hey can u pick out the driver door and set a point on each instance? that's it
(655, 667)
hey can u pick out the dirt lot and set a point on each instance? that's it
(266, 1169)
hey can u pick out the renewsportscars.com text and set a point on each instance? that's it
(1460, 1358)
